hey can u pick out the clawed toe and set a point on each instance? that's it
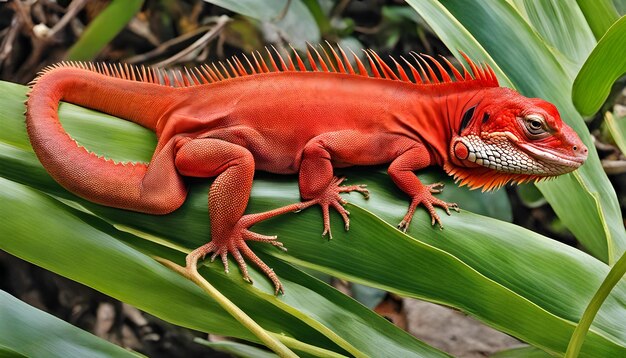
(425, 197)
(331, 198)
(237, 247)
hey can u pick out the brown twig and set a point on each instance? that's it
(215, 30)
(73, 9)
(176, 41)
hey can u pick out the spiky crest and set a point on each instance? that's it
(482, 75)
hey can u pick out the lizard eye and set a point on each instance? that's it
(536, 126)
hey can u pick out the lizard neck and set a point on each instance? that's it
(435, 118)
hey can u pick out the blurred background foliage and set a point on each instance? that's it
(169, 33)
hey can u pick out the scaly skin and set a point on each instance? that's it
(295, 121)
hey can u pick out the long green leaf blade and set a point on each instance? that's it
(103, 29)
(600, 15)
(33, 333)
(603, 67)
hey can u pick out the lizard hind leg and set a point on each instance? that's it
(233, 167)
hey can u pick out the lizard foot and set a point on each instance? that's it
(236, 245)
(426, 198)
(331, 198)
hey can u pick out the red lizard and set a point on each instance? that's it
(226, 121)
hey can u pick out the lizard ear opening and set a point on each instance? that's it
(467, 117)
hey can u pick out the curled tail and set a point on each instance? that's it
(156, 188)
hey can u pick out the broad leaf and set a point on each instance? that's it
(605, 65)
(600, 14)
(27, 331)
(291, 18)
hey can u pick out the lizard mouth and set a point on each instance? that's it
(552, 157)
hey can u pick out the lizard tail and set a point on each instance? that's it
(100, 180)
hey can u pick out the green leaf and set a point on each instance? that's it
(27, 331)
(612, 279)
(562, 26)
(297, 25)
(530, 196)
(600, 15)
(522, 352)
(617, 128)
(533, 69)
(513, 279)
(603, 67)
(237, 349)
(103, 29)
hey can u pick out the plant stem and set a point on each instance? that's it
(578, 337)
(268, 340)
(305, 347)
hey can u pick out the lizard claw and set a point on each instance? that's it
(235, 244)
(331, 198)
(425, 197)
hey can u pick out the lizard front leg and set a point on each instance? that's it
(228, 197)
(402, 173)
(341, 148)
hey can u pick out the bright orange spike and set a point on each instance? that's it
(310, 57)
(122, 72)
(493, 74)
(330, 62)
(319, 57)
(213, 74)
(340, 65)
(282, 62)
(272, 60)
(431, 74)
(202, 78)
(471, 64)
(166, 77)
(360, 65)
(416, 75)
(386, 69)
(185, 79)
(205, 69)
(219, 73)
(457, 74)
(224, 69)
(290, 65)
(256, 63)
(263, 64)
(192, 76)
(444, 74)
(301, 65)
(401, 72)
(177, 83)
(249, 64)
(424, 75)
(131, 70)
(346, 61)
(372, 65)
(232, 68)
(151, 76)
(142, 74)
(240, 67)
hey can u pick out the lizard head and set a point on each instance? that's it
(505, 137)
